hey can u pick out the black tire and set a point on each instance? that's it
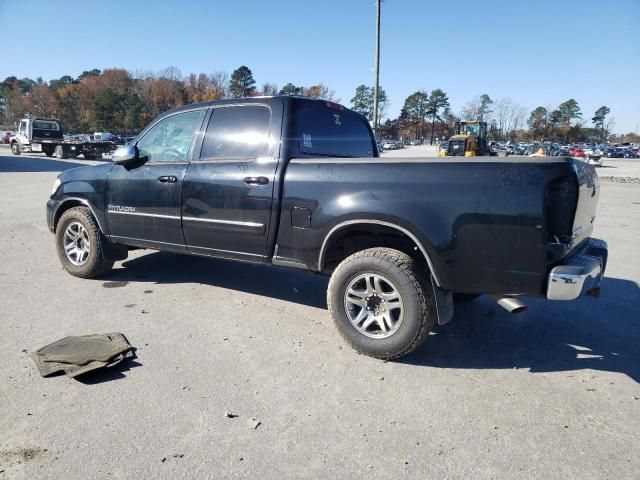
(48, 151)
(414, 288)
(464, 297)
(15, 148)
(60, 152)
(95, 264)
(89, 156)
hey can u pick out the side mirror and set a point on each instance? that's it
(125, 154)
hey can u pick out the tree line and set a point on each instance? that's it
(121, 101)
(428, 116)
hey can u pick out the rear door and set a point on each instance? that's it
(227, 197)
(144, 202)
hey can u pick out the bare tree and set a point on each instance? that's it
(219, 82)
(269, 89)
(171, 73)
(509, 116)
(323, 92)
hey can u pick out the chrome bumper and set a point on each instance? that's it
(580, 273)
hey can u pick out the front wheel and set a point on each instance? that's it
(81, 244)
(15, 148)
(382, 303)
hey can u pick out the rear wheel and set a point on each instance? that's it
(89, 156)
(81, 244)
(48, 151)
(15, 148)
(381, 303)
(60, 152)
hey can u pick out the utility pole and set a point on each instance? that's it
(377, 71)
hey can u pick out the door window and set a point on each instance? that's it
(171, 138)
(237, 132)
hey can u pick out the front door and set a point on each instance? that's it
(228, 191)
(143, 202)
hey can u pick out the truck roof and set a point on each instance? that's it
(263, 99)
(35, 119)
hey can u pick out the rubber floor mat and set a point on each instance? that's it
(78, 355)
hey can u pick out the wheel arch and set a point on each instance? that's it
(76, 202)
(342, 231)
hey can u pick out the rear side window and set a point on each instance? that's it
(333, 133)
(237, 132)
(40, 125)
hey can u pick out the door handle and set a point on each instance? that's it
(256, 180)
(167, 179)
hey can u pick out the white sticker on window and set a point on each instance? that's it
(336, 118)
(306, 140)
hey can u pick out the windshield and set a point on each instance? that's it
(469, 129)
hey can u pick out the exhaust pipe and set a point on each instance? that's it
(510, 304)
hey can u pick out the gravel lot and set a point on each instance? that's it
(550, 393)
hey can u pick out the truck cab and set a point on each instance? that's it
(37, 135)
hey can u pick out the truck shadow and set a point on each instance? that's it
(598, 334)
(298, 286)
(9, 163)
(601, 334)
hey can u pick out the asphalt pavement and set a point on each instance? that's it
(550, 393)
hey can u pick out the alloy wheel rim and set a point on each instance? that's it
(76, 244)
(373, 305)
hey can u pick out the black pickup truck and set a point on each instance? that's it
(298, 183)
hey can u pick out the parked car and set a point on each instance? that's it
(615, 153)
(217, 179)
(5, 137)
(576, 152)
(560, 152)
(630, 153)
(389, 145)
(595, 161)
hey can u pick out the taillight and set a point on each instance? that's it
(561, 202)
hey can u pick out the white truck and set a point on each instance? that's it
(45, 135)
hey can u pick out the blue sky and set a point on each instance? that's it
(538, 52)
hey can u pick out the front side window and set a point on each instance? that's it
(332, 133)
(171, 138)
(237, 132)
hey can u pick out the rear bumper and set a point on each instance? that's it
(580, 273)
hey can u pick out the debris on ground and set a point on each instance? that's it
(77, 355)
(253, 423)
(230, 414)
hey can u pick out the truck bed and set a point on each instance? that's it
(486, 223)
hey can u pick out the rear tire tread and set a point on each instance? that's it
(419, 283)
